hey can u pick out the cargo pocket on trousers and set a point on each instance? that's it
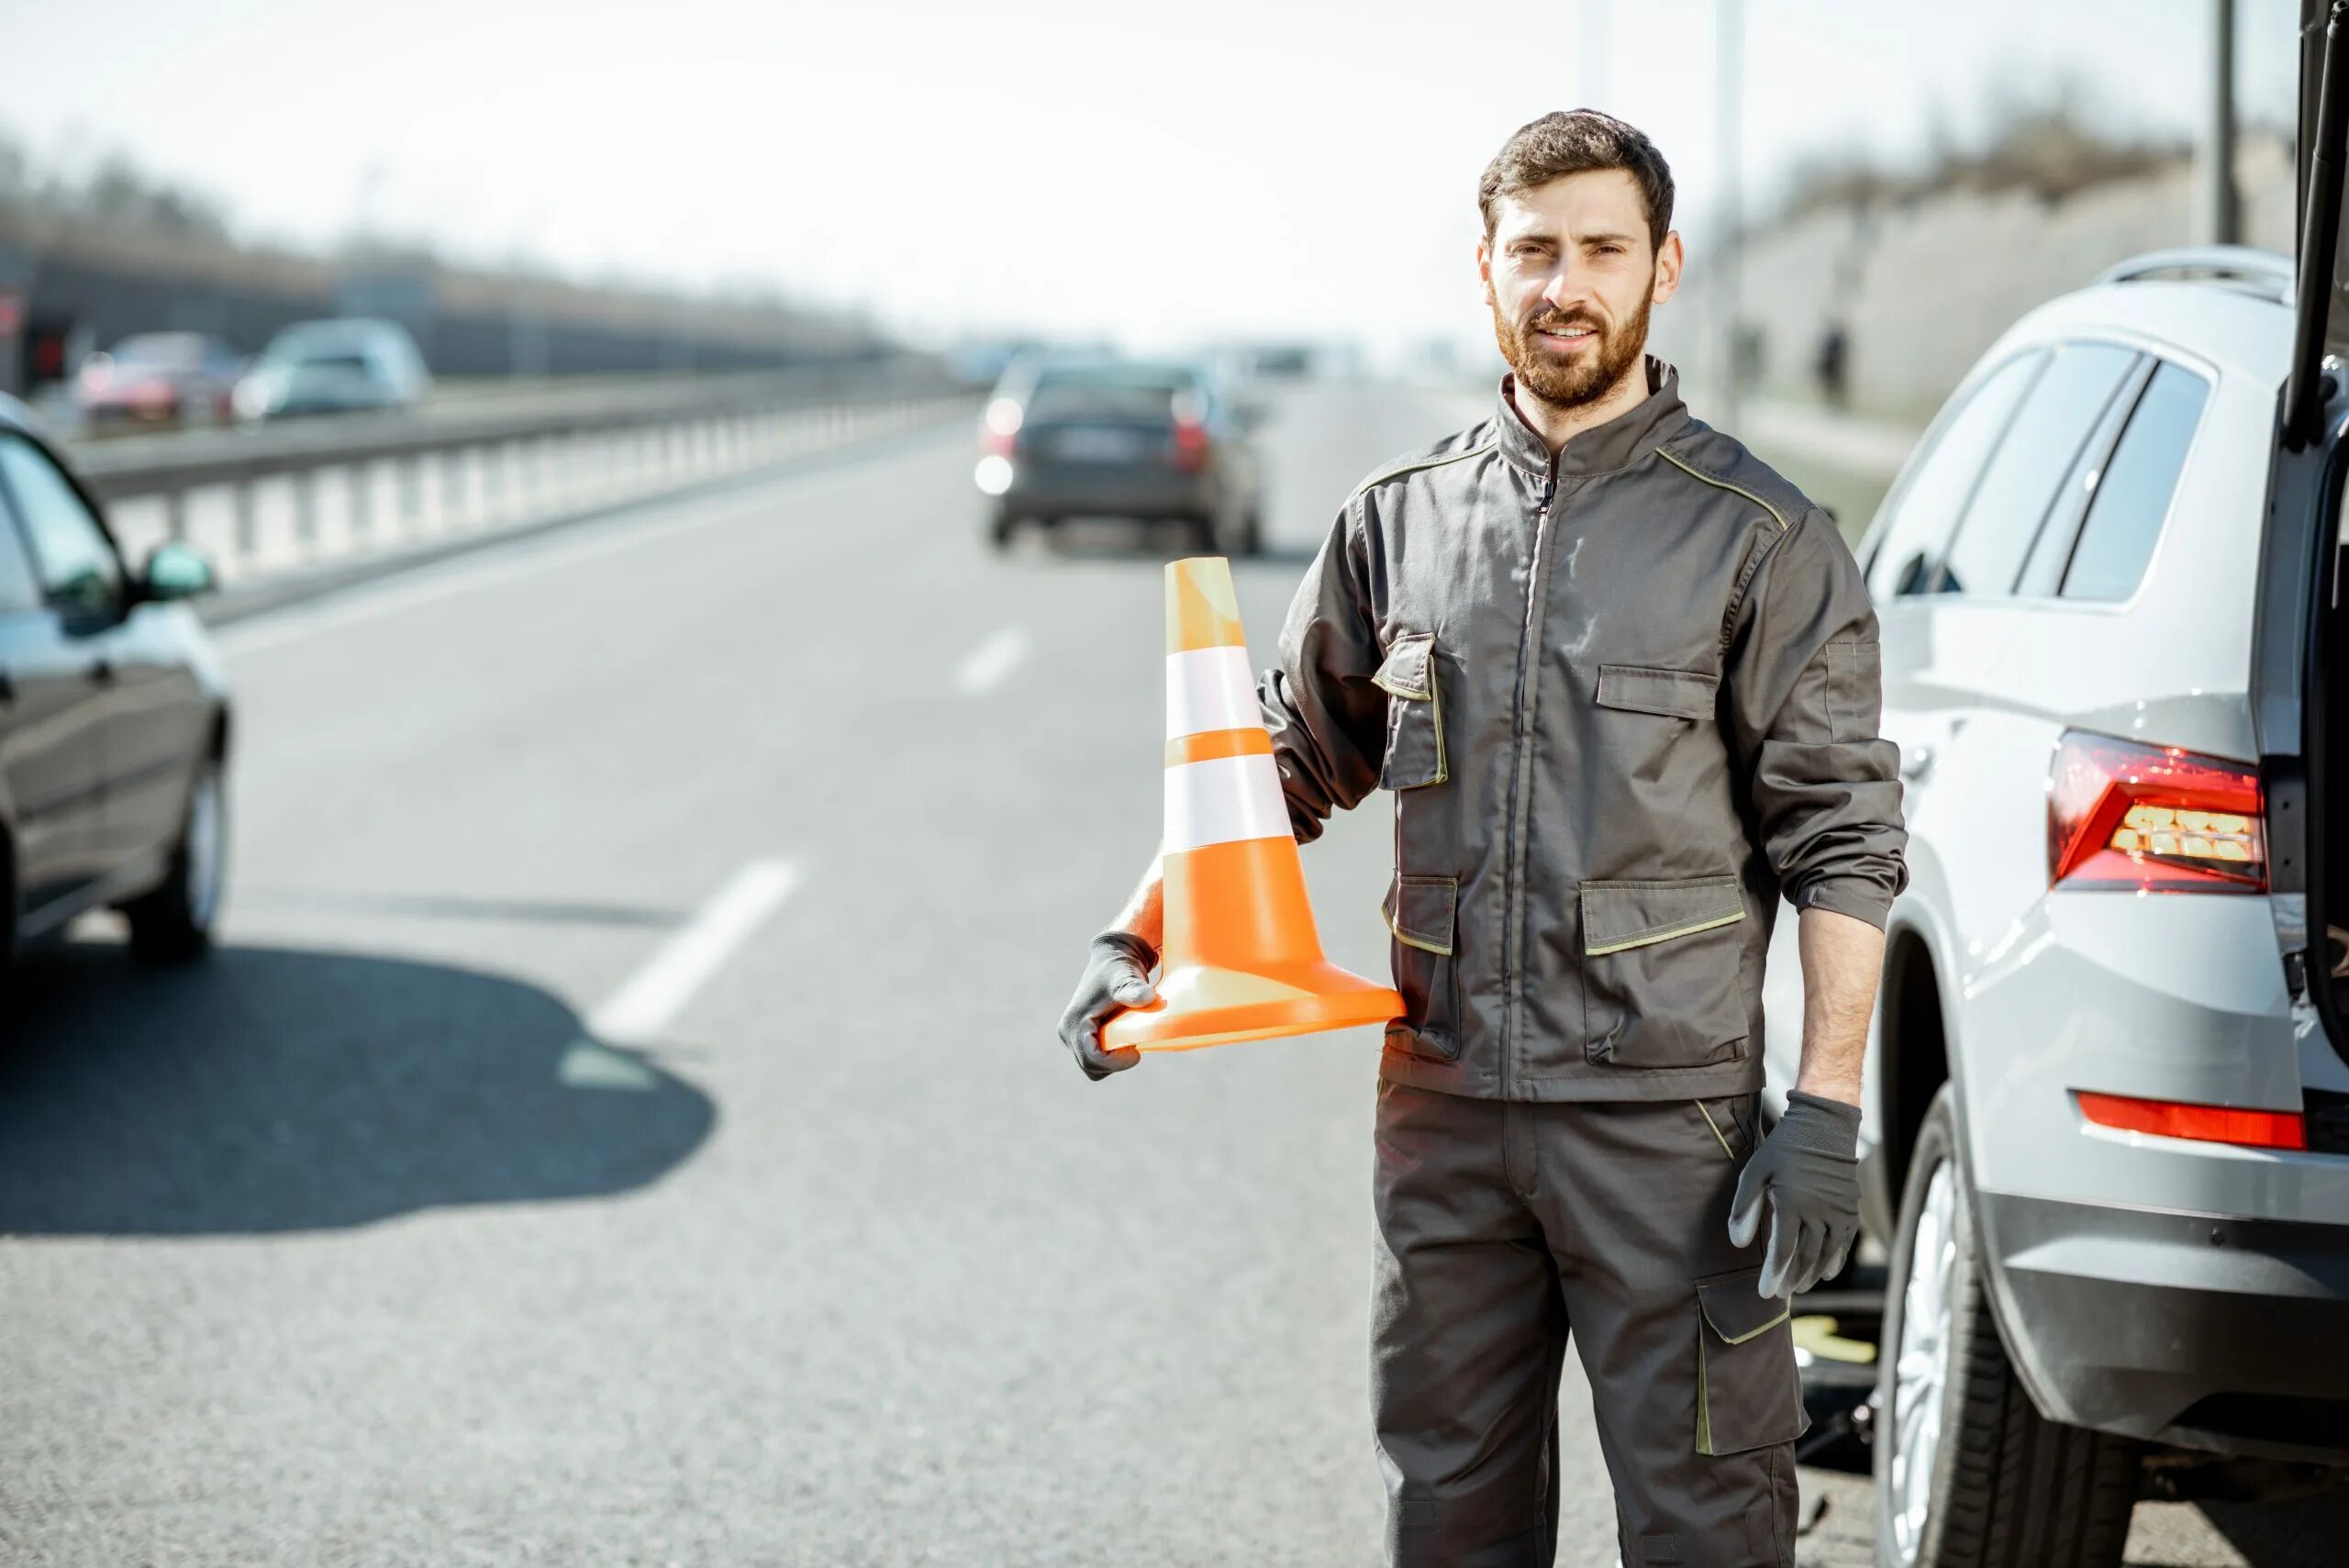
(1662, 972)
(1420, 911)
(1414, 714)
(1749, 1394)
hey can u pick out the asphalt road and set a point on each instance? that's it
(622, 1123)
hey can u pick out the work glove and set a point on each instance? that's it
(1810, 1168)
(1117, 976)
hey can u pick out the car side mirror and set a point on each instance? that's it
(176, 571)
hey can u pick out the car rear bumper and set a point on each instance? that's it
(2209, 1332)
(1065, 490)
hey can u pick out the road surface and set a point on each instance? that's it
(622, 1122)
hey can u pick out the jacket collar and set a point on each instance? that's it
(1620, 442)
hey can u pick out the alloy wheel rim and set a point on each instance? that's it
(1920, 1370)
(203, 851)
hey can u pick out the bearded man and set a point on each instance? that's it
(1621, 679)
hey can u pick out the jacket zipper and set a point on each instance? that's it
(1513, 944)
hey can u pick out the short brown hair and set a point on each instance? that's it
(1573, 142)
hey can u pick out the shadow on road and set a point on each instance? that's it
(268, 1090)
(2302, 1533)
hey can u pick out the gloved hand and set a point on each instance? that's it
(1117, 976)
(1809, 1167)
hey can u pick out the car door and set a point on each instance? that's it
(1959, 686)
(1902, 555)
(155, 710)
(55, 686)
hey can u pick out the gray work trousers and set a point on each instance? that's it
(1505, 1227)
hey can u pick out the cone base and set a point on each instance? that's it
(1198, 1005)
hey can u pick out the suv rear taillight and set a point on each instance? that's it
(2146, 818)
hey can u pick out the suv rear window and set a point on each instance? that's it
(2125, 519)
(2012, 497)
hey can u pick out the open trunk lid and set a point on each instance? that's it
(2301, 576)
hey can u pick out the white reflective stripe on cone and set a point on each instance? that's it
(1224, 800)
(1210, 688)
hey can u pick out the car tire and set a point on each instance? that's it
(1967, 1470)
(173, 924)
(1242, 535)
(1000, 529)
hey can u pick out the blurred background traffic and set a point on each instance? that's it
(597, 571)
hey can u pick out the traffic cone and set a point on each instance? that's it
(1242, 958)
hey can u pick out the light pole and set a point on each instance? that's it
(1728, 83)
(2217, 213)
(1594, 21)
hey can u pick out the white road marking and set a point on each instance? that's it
(984, 667)
(662, 985)
(665, 982)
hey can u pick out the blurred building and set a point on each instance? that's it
(1921, 281)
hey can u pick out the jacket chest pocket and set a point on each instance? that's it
(1661, 971)
(1414, 714)
(1422, 912)
(1673, 694)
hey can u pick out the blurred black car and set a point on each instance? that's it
(159, 378)
(1121, 438)
(114, 717)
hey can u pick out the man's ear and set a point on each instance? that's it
(1669, 257)
(1484, 268)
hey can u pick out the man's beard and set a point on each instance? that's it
(1564, 381)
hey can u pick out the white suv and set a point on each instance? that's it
(2107, 1135)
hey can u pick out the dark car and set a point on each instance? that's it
(159, 378)
(114, 717)
(1122, 439)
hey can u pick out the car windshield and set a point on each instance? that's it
(333, 350)
(330, 360)
(160, 351)
(1110, 391)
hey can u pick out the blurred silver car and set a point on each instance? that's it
(1121, 438)
(348, 366)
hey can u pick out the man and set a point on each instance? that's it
(1622, 681)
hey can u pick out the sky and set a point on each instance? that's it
(1153, 174)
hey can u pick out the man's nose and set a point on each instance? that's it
(1564, 290)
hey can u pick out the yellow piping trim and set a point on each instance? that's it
(1405, 938)
(1784, 1313)
(1723, 484)
(1704, 1405)
(1416, 467)
(1717, 1129)
(1665, 936)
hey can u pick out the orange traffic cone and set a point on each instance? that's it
(1241, 958)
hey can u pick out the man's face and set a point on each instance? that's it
(1570, 275)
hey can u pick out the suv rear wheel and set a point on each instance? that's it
(1967, 1472)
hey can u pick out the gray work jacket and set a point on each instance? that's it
(1624, 697)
